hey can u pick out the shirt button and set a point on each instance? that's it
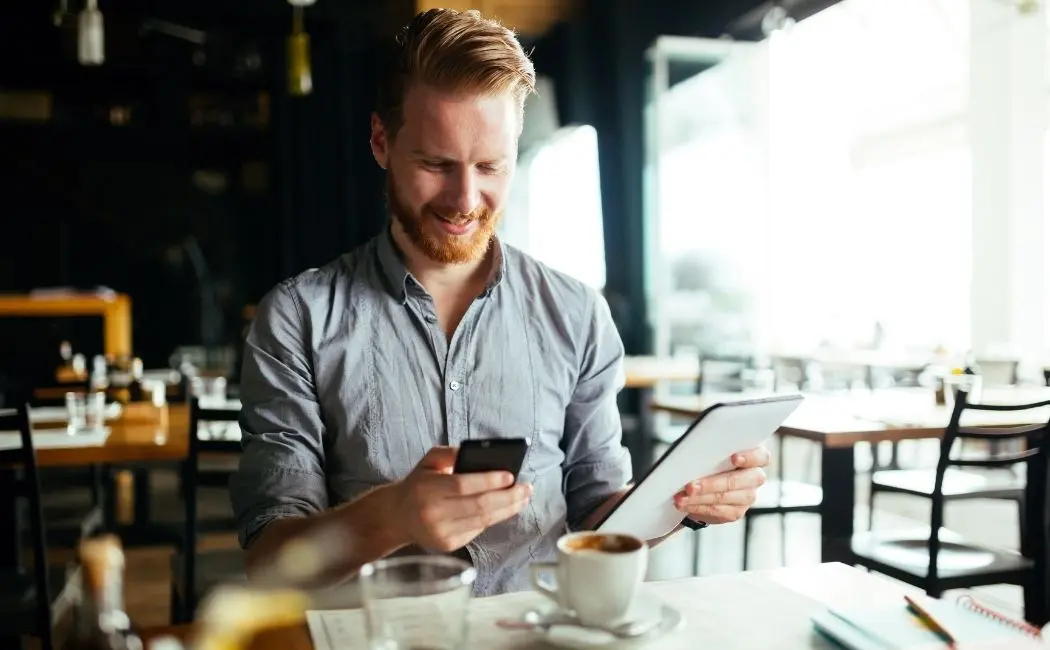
(431, 318)
(454, 385)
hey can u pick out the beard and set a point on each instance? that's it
(442, 247)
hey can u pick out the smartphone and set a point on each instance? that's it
(491, 454)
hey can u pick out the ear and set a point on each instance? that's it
(379, 141)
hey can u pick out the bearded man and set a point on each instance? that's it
(361, 378)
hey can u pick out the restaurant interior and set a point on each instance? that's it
(842, 199)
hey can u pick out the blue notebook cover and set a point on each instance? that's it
(898, 628)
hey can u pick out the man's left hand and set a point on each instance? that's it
(723, 498)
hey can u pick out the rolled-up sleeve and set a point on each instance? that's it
(281, 472)
(596, 463)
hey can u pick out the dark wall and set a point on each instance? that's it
(125, 206)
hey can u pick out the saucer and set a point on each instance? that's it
(561, 629)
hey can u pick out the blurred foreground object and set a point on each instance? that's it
(99, 619)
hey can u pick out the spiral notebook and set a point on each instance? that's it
(973, 625)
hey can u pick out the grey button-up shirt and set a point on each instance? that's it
(348, 380)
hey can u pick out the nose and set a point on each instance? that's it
(464, 195)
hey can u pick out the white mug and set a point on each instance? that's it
(597, 575)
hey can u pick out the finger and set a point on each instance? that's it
(475, 483)
(757, 457)
(489, 508)
(440, 459)
(731, 481)
(734, 498)
(716, 514)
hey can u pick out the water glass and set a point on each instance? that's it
(96, 411)
(76, 413)
(417, 602)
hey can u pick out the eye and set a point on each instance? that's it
(435, 165)
(489, 168)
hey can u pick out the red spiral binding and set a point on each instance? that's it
(1024, 627)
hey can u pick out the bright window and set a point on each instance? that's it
(829, 189)
(555, 213)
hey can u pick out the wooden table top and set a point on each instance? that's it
(842, 420)
(717, 609)
(132, 439)
(647, 371)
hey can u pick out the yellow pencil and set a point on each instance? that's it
(931, 622)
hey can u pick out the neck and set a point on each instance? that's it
(435, 276)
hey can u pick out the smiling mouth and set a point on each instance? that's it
(457, 227)
(454, 222)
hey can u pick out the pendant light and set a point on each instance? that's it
(300, 78)
(91, 38)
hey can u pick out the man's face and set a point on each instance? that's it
(449, 169)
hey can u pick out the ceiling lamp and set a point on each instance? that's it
(776, 20)
(300, 78)
(91, 38)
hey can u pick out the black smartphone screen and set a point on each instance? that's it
(491, 454)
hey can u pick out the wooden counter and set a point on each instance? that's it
(115, 311)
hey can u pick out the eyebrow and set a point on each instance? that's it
(419, 153)
(433, 156)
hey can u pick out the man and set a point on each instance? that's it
(362, 377)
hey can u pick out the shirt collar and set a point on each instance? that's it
(398, 277)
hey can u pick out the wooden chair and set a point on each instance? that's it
(937, 559)
(28, 599)
(194, 572)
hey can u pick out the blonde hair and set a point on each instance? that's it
(456, 51)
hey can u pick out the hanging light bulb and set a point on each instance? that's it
(300, 79)
(776, 20)
(91, 38)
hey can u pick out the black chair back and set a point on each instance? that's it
(27, 487)
(1033, 454)
(200, 444)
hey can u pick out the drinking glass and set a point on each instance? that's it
(417, 602)
(96, 411)
(76, 413)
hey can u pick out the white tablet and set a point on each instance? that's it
(647, 510)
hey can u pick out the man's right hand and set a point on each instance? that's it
(442, 511)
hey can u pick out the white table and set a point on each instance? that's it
(755, 610)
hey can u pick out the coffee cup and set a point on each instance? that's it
(596, 575)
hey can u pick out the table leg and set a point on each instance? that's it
(142, 530)
(836, 508)
(1037, 536)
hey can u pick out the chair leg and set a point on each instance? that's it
(871, 505)
(1021, 521)
(696, 553)
(894, 455)
(747, 539)
(783, 540)
(176, 607)
(96, 485)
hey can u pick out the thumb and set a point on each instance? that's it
(439, 459)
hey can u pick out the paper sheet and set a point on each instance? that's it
(42, 414)
(56, 439)
(720, 612)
